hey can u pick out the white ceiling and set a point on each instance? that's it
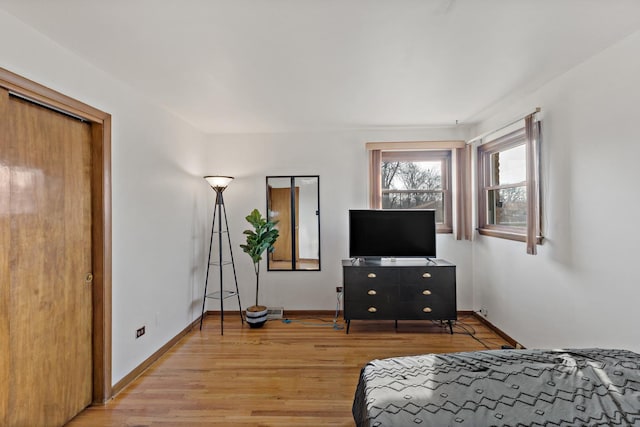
(292, 65)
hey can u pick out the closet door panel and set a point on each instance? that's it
(50, 264)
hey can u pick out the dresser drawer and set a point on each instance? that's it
(431, 290)
(426, 274)
(371, 310)
(427, 308)
(367, 276)
(373, 290)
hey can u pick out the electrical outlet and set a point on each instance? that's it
(140, 332)
(339, 289)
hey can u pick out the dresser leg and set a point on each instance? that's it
(450, 326)
(396, 324)
(348, 324)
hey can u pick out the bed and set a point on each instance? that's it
(501, 388)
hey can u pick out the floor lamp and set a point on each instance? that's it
(219, 184)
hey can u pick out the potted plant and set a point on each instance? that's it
(259, 240)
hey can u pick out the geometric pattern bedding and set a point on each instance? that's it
(587, 387)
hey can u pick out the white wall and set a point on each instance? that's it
(581, 290)
(158, 195)
(341, 161)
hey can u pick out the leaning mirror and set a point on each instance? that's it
(294, 202)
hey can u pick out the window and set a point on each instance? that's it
(415, 175)
(417, 180)
(507, 187)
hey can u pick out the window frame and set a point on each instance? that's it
(444, 156)
(485, 151)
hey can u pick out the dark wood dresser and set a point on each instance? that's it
(399, 290)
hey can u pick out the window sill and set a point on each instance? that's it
(443, 230)
(506, 234)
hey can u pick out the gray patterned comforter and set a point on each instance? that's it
(588, 387)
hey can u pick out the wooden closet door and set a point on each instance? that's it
(49, 251)
(5, 271)
(281, 204)
(280, 199)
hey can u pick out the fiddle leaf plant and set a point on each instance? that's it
(259, 240)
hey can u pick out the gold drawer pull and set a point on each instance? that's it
(426, 292)
(426, 275)
(372, 309)
(371, 275)
(427, 310)
(371, 292)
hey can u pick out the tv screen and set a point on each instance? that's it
(409, 233)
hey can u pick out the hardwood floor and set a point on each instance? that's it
(302, 373)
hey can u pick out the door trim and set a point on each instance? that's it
(101, 218)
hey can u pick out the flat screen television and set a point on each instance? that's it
(391, 233)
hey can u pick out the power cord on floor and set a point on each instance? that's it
(338, 304)
(470, 330)
(459, 327)
(319, 322)
(315, 322)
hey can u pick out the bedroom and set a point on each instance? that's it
(577, 292)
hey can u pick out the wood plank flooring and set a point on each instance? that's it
(302, 373)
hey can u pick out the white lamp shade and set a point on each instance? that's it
(218, 182)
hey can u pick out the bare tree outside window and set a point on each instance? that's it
(413, 185)
(414, 178)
